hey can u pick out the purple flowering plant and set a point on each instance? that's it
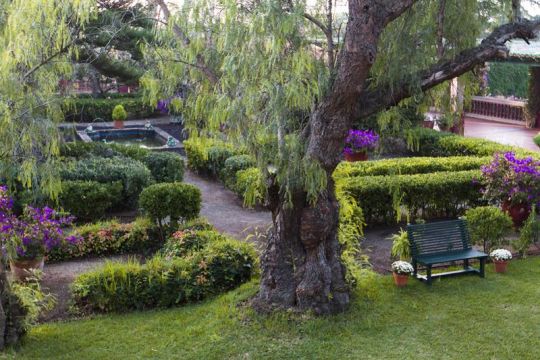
(508, 179)
(34, 233)
(360, 141)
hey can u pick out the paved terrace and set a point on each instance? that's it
(508, 134)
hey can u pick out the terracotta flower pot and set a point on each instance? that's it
(400, 279)
(428, 124)
(23, 269)
(519, 213)
(360, 156)
(500, 266)
(118, 124)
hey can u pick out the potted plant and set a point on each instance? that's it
(27, 238)
(513, 183)
(501, 257)
(119, 114)
(357, 144)
(401, 271)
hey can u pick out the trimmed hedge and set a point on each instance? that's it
(133, 174)
(414, 165)
(231, 167)
(119, 287)
(165, 166)
(109, 238)
(89, 200)
(173, 200)
(90, 109)
(207, 156)
(428, 142)
(439, 194)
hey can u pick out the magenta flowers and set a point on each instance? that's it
(32, 234)
(512, 180)
(360, 141)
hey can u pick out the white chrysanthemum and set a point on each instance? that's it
(501, 255)
(402, 267)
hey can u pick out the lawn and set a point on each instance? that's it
(458, 318)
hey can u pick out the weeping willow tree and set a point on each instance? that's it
(287, 80)
(35, 41)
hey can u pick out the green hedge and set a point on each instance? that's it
(165, 166)
(208, 156)
(439, 194)
(133, 175)
(414, 165)
(428, 142)
(89, 200)
(231, 167)
(90, 110)
(175, 201)
(160, 282)
(109, 238)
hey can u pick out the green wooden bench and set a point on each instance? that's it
(442, 242)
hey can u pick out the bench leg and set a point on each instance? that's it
(465, 264)
(429, 279)
(415, 267)
(482, 268)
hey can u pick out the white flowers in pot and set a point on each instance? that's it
(501, 255)
(402, 268)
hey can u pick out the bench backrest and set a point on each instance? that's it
(438, 237)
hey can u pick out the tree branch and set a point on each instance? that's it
(200, 60)
(492, 47)
(318, 23)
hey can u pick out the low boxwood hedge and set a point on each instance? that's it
(220, 266)
(414, 165)
(439, 194)
(133, 175)
(428, 142)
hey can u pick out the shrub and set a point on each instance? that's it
(119, 113)
(401, 247)
(232, 166)
(183, 242)
(415, 165)
(439, 194)
(207, 156)
(250, 185)
(89, 200)
(161, 282)
(488, 226)
(536, 139)
(130, 151)
(217, 155)
(110, 238)
(90, 110)
(165, 166)
(132, 173)
(528, 234)
(199, 223)
(177, 201)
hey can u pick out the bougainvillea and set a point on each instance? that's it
(512, 180)
(32, 234)
(360, 140)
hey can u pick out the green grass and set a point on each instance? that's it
(458, 318)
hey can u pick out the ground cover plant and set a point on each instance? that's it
(393, 324)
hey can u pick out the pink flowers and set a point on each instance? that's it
(360, 141)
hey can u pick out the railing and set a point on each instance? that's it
(495, 109)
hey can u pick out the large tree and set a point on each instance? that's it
(288, 80)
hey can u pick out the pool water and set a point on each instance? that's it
(140, 138)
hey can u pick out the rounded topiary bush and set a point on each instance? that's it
(233, 165)
(119, 113)
(165, 166)
(176, 201)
